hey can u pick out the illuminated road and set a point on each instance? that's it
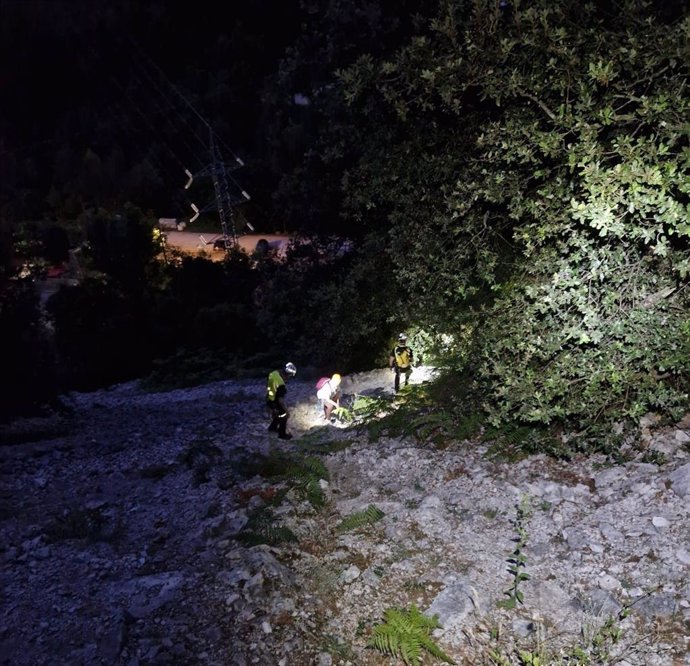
(192, 242)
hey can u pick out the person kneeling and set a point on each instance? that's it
(328, 394)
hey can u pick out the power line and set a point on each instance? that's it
(217, 169)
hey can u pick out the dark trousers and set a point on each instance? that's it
(327, 409)
(402, 371)
(278, 422)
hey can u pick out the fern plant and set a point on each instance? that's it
(343, 414)
(430, 424)
(366, 407)
(517, 559)
(271, 535)
(262, 527)
(513, 441)
(406, 634)
(368, 516)
(468, 425)
(303, 473)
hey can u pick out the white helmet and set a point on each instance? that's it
(290, 369)
(402, 337)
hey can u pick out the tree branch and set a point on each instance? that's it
(652, 299)
(539, 103)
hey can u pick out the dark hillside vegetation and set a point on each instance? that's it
(515, 178)
(546, 160)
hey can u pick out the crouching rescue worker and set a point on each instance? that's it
(328, 394)
(276, 391)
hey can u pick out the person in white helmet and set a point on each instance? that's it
(276, 390)
(400, 360)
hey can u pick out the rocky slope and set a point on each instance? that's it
(128, 526)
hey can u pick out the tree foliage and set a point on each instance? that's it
(311, 138)
(534, 166)
(327, 308)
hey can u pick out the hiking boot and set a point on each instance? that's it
(286, 435)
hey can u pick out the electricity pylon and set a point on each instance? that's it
(218, 170)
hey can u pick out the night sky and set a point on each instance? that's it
(136, 82)
(101, 75)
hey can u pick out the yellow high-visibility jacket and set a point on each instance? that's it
(275, 381)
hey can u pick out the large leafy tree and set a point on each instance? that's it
(533, 164)
(310, 139)
(328, 308)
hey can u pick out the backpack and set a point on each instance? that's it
(402, 357)
(321, 382)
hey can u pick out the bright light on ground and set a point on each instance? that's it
(306, 412)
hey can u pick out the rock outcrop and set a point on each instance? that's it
(127, 538)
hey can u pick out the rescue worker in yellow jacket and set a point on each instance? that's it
(276, 390)
(400, 360)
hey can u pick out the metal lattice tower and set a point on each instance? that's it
(220, 186)
(218, 170)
